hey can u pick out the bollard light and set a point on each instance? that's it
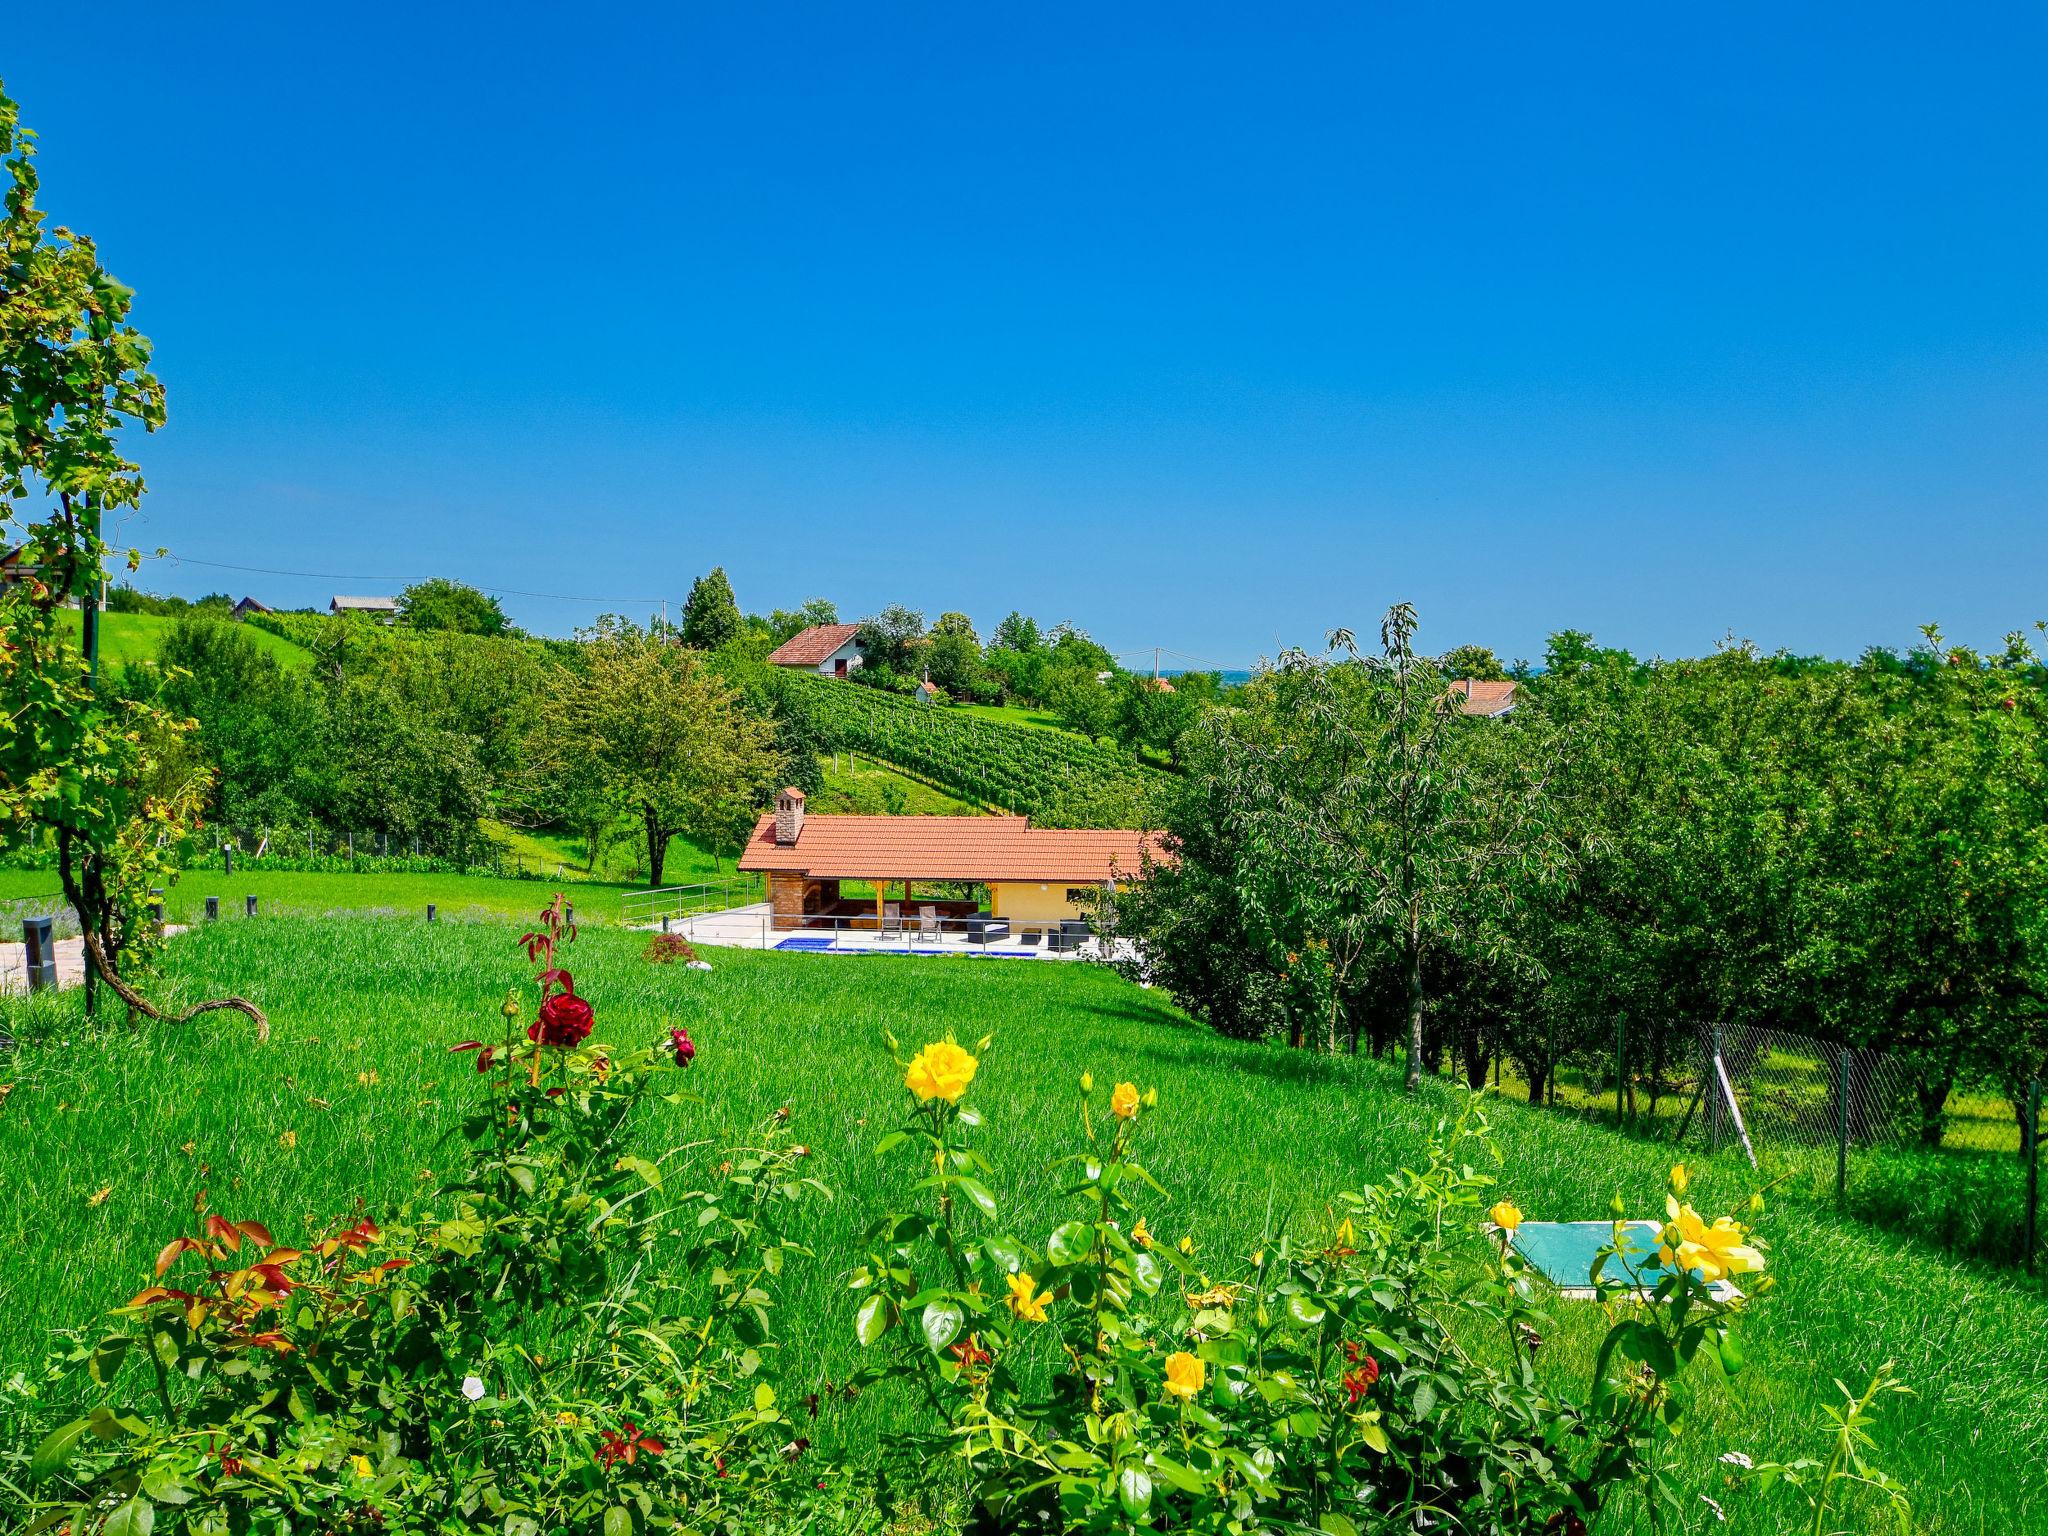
(213, 909)
(430, 911)
(38, 935)
(249, 906)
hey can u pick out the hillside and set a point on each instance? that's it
(1247, 1139)
(1055, 777)
(130, 637)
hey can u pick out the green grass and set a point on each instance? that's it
(1016, 714)
(1245, 1135)
(864, 785)
(130, 637)
(376, 895)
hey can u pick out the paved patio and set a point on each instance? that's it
(751, 927)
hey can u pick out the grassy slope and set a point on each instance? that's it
(126, 637)
(363, 1013)
(848, 776)
(366, 894)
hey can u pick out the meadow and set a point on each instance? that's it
(134, 637)
(110, 1136)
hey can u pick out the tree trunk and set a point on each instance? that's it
(1412, 967)
(657, 849)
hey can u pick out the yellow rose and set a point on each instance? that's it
(1141, 1235)
(1024, 1299)
(1124, 1101)
(1680, 1180)
(1712, 1252)
(1087, 1082)
(1505, 1216)
(1187, 1245)
(362, 1466)
(1184, 1374)
(940, 1071)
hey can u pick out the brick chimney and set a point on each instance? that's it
(789, 817)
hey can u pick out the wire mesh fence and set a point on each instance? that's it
(1907, 1140)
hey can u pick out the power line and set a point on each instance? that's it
(257, 570)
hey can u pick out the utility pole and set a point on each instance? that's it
(89, 640)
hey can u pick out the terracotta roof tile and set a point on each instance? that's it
(982, 848)
(809, 647)
(1478, 698)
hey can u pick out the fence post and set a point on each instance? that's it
(1620, 1068)
(1713, 1090)
(1842, 1130)
(2033, 1129)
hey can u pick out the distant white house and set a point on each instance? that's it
(829, 650)
(383, 609)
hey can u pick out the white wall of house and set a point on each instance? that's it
(848, 653)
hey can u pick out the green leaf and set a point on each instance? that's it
(978, 1193)
(1335, 1524)
(57, 1448)
(135, 1518)
(1145, 1270)
(618, 1521)
(1184, 1478)
(1731, 1354)
(1425, 1400)
(107, 1357)
(1134, 1491)
(872, 1321)
(1070, 1243)
(1305, 1310)
(891, 1142)
(764, 1397)
(942, 1321)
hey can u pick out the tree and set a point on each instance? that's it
(814, 611)
(96, 775)
(651, 730)
(444, 604)
(1016, 633)
(1346, 815)
(711, 615)
(892, 640)
(953, 657)
(1081, 703)
(1476, 662)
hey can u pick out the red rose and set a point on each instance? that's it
(565, 1020)
(685, 1048)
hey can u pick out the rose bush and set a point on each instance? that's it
(502, 1354)
(1098, 1378)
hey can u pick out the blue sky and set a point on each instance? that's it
(1207, 327)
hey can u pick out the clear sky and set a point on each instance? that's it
(1207, 327)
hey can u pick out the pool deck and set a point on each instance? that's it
(751, 927)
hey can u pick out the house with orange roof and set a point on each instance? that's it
(830, 650)
(1036, 877)
(1483, 700)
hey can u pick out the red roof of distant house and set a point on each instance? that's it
(1486, 699)
(813, 646)
(981, 848)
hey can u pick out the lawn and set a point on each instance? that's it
(127, 637)
(856, 785)
(374, 894)
(1247, 1138)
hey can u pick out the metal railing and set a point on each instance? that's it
(639, 908)
(866, 933)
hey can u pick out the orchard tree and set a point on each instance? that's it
(451, 605)
(1346, 813)
(652, 731)
(711, 615)
(95, 775)
(814, 611)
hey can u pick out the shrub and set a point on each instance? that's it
(500, 1354)
(1106, 1376)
